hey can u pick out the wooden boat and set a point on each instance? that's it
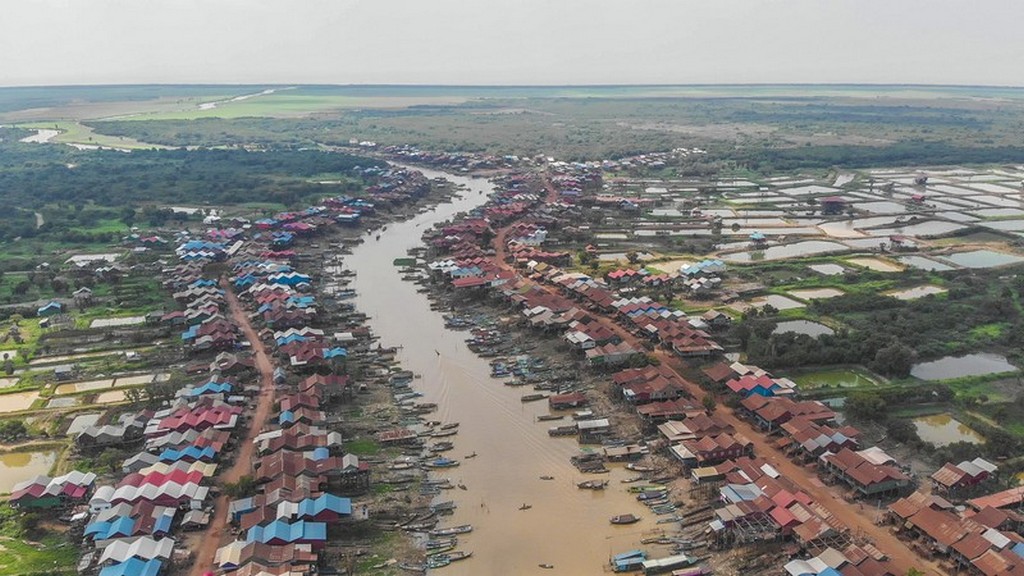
(443, 433)
(638, 468)
(563, 430)
(445, 506)
(439, 561)
(525, 506)
(459, 555)
(533, 397)
(546, 566)
(449, 425)
(442, 543)
(454, 530)
(625, 519)
(471, 455)
(593, 485)
(418, 568)
(547, 417)
(441, 463)
(547, 477)
(442, 447)
(646, 488)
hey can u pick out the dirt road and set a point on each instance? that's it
(216, 534)
(859, 521)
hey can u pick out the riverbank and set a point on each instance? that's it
(564, 525)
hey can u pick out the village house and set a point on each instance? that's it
(866, 473)
(712, 449)
(955, 479)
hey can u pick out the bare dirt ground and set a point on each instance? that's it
(212, 538)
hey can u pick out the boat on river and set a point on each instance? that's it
(459, 555)
(592, 485)
(533, 397)
(454, 530)
(441, 463)
(548, 417)
(625, 519)
(442, 543)
(442, 447)
(638, 467)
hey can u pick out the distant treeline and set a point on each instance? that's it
(32, 175)
(910, 153)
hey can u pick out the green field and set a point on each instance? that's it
(75, 133)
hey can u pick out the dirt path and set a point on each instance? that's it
(859, 520)
(216, 534)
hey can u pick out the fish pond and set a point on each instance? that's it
(982, 259)
(837, 378)
(978, 364)
(916, 292)
(795, 250)
(816, 293)
(17, 467)
(922, 263)
(812, 329)
(943, 430)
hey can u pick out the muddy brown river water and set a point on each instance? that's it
(565, 526)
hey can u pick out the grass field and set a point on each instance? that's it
(20, 554)
(75, 133)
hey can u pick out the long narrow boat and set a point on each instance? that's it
(441, 463)
(442, 543)
(463, 529)
(533, 397)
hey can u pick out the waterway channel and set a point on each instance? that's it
(565, 526)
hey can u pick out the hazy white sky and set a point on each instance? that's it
(511, 41)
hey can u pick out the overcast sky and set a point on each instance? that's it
(511, 41)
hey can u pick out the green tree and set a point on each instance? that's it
(896, 359)
(867, 405)
(244, 487)
(709, 402)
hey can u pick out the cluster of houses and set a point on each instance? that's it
(451, 161)
(165, 487)
(303, 477)
(983, 535)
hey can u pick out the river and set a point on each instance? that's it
(566, 526)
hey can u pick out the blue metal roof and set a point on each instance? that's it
(310, 507)
(134, 567)
(301, 531)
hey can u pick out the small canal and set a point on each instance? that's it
(565, 526)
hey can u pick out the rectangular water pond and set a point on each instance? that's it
(17, 467)
(949, 367)
(924, 263)
(943, 430)
(838, 378)
(796, 250)
(982, 259)
(812, 329)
